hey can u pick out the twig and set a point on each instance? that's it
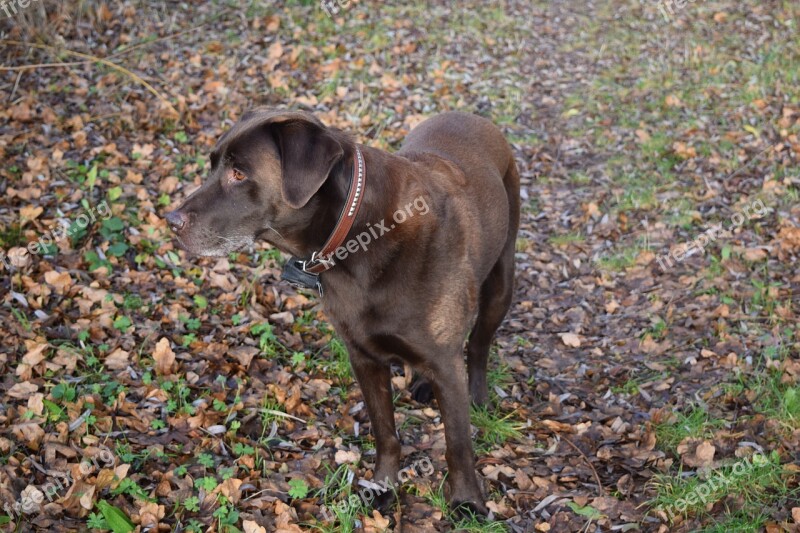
(75, 424)
(43, 65)
(164, 38)
(754, 160)
(94, 59)
(115, 54)
(16, 86)
(282, 414)
(588, 462)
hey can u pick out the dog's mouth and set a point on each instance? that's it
(213, 245)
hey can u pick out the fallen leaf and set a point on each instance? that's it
(696, 453)
(30, 212)
(250, 526)
(61, 281)
(164, 357)
(244, 354)
(22, 390)
(570, 339)
(346, 456)
(119, 359)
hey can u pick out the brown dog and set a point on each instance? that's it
(441, 217)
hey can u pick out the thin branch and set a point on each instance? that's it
(588, 462)
(94, 59)
(43, 65)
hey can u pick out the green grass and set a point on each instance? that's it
(336, 367)
(621, 258)
(569, 238)
(494, 429)
(750, 520)
(694, 423)
(775, 399)
(343, 506)
(747, 487)
(498, 375)
(472, 524)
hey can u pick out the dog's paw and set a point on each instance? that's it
(465, 509)
(421, 390)
(385, 502)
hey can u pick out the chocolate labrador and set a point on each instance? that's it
(410, 251)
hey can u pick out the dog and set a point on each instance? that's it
(441, 216)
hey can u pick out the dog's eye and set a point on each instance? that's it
(237, 175)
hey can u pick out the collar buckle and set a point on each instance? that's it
(312, 265)
(307, 271)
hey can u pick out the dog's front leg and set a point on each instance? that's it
(449, 380)
(374, 378)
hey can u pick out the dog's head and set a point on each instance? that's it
(265, 173)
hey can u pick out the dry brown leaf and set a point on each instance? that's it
(61, 281)
(36, 403)
(30, 433)
(151, 513)
(250, 526)
(494, 471)
(683, 150)
(22, 390)
(30, 212)
(119, 359)
(32, 499)
(376, 523)
(696, 453)
(570, 339)
(33, 357)
(789, 238)
(673, 101)
(244, 354)
(164, 357)
(230, 489)
(347, 456)
(592, 210)
(275, 51)
(755, 254)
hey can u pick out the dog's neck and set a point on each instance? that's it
(327, 206)
(380, 197)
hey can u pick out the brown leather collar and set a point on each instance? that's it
(323, 259)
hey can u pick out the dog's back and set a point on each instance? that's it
(491, 180)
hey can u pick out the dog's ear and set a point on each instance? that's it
(308, 153)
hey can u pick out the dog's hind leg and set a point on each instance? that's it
(421, 389)
(495, 298)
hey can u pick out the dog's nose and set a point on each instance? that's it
(176, 220)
